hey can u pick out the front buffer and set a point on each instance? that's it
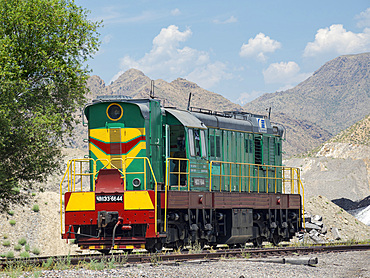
(109, 217)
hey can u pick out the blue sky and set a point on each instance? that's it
(239, 49)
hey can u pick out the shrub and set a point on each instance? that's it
(12, 222)
(6, 243)
(95, 265)
(22, 241)
(5, 236)
(36, 251)
(9, 255)
(36, 208)
(48, 264)
(11, 212)
(33, 194)
(27, 248)
(24, 254)
(18, 247)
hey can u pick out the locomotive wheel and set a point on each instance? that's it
(257, 242)
(202, 243)
(240, 245)
(156, 248)
(213, 245)
(179, 245)
(275, 239)
(104, 251)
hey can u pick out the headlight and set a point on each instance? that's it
(114, 112)
(136, 182)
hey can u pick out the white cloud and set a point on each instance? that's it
(107, 38)
(175, 12)
(363, 19)
(338, 40)
(284, 73)
(209, 75)
(248, 97)
(115, 15)
(258, 46)
(166, 60)
(231, 19)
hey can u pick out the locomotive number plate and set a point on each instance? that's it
(109, 198)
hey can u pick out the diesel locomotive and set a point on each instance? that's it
(164, 177)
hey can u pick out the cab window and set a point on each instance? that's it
(197, 143)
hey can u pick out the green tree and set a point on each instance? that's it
(44, 46)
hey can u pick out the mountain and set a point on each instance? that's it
(135, 84)
(334, 97)
(301, 135)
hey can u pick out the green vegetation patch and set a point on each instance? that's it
(36, 251)
(36, 208)
(22, 241)
(9, 255)
(6, 243)
(24, 254)
(18, 247)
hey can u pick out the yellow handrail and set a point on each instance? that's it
(155, 187)
(226, 172)
(71, 174)
(178, 173)
(233, 171)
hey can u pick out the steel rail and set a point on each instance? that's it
(185, 256)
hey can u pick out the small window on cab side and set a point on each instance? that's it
(191, 142)
(203, 143)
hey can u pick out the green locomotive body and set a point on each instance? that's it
(181, 177)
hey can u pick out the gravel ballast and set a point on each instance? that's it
(345, 264)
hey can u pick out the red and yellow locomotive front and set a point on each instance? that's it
(117, 209)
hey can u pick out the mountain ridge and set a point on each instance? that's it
(336, 96)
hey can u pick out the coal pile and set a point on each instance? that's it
(348, 204)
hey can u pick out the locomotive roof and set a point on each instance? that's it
(186, 118)
(203, 118)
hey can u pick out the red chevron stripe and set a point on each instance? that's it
(117, 148)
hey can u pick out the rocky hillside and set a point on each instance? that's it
(340, 168)
(359, 133)
(335, 97)
(335, 218)
(301, 135)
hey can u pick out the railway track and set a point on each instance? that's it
(186, 255)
